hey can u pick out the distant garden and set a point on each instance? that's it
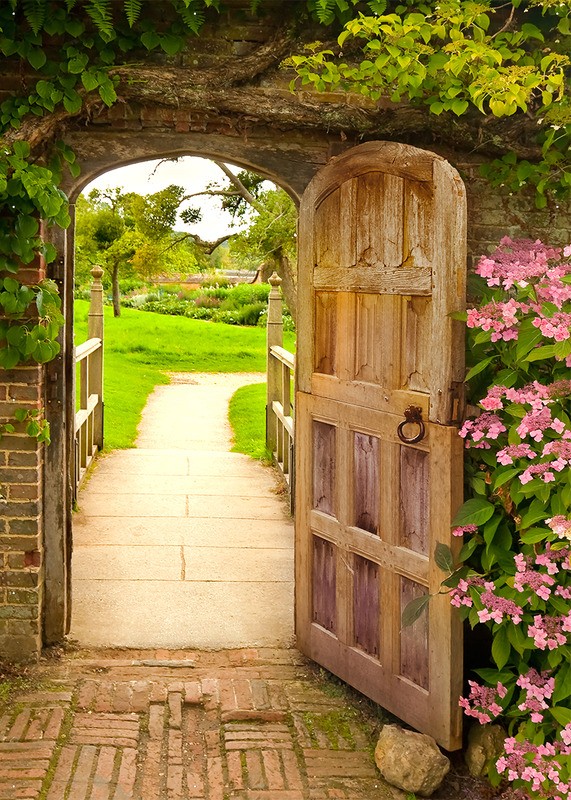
(216, 299)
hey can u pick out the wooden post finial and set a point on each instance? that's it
(97, 272)
(274, 280)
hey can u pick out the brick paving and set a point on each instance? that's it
(170, 725)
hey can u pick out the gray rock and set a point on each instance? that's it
(410, 760)
(485, 742)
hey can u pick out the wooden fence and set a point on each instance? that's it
(89, 374)
(279, 403)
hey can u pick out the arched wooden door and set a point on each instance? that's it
(382, 264)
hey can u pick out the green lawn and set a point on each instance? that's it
(141, 346)
(247, 415)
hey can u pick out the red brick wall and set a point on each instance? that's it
(21, 530)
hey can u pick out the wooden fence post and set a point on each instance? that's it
(95, 331)
(274, 338)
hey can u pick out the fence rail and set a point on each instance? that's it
(279, 404)
(89, 415)
(88, 359)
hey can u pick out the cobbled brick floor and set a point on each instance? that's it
(170, 725)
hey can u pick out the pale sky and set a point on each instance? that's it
(191, 173)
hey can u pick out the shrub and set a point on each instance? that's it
(515, 575)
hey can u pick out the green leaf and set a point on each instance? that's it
(459, 107)
(505, 475)
(36, 57)
(561, 715)
(150, 39)
(479, 367)
(535, 513)
(414, 609)
(107, 93)
(534, 535)
(443, 557)
(9, 357)
(43, 352)
(89, 81)
(501, 648)
(475, 511)
(171, 44)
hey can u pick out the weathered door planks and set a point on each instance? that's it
(382, 263)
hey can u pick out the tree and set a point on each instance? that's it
(269, 241)
(132, 234)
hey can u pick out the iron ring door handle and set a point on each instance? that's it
(412, 416)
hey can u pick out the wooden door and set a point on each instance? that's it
(382, 263)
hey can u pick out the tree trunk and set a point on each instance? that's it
(115, 285)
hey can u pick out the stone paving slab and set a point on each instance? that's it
(162, 562)
(184, 725)
(206, 532)
(202, 614)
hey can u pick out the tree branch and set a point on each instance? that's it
(207, 247)
(240, 188)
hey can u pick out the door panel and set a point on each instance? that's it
(382, 263)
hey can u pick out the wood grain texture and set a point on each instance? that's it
(324, 468)
(366, 616)
(381, 256)
(414, 639)
(366, 481)
(324, 584)
(414, 498)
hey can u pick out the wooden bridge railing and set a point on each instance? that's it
(279, 403)
(89, 415)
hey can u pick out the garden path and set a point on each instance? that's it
(180, 542)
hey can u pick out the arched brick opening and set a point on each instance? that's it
(226, 97)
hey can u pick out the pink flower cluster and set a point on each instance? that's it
(519, 264)
(460, 595)
(482, 702)
(462, 529)
(556, 327)
(560, 525)
(500, 318)
(537, 765)
(549, 632)
(538, 688)
(477, 431)
(539, 582)
(497, 608)
(516, 262)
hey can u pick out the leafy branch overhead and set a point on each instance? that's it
(481, 60)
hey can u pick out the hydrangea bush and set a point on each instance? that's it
(516, 524)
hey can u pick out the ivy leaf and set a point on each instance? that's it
(443, 557)
(414, 609)
(89, 81)
(150, 39)
(36, 57)
(9, 357)
(107, 93)
(475, 511)
(171, 44)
